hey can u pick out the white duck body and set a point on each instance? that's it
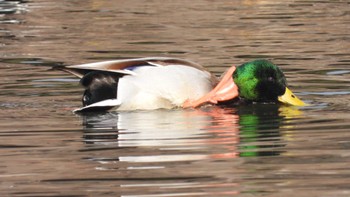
(150, 83)
(153, 87)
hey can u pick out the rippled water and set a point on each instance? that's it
(257, 150)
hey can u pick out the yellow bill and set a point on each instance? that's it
(289, 98)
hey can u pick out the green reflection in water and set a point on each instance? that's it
(248, 134)
(260, 129)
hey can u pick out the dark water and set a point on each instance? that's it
(257, 150)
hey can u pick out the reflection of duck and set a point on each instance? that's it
(260, 130)
(151, 83)
(145, 128)
(244, 131)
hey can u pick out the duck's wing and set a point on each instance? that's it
(126, 67)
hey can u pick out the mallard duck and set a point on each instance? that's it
(153, 83)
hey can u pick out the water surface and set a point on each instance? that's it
(254, 150)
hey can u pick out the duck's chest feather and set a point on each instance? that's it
(162, 87)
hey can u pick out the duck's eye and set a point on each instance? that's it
(270, 79)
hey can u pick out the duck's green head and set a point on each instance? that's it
(262, 81)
